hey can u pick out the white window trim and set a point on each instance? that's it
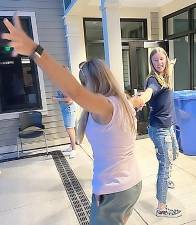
(13, 115)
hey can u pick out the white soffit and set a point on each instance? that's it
(134, 3)
(79, 7)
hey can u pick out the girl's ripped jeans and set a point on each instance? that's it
(167, 151)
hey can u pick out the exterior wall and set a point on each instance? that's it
(51, 34)
(75, 38)
(128, 12)
(141, 13)
(152, 16)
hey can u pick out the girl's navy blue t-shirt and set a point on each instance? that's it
(161, 104)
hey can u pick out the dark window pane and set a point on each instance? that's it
(95, 50)
(194, 64)
(12, 86)
(181, 71)
(26, 24)
(19, 84)
(194, 18)
(132, 29)
(94, 39)
(178, 24)
(93, 30)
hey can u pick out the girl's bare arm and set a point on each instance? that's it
(140, 101)
(61, 77)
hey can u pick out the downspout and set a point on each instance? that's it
(65, 12)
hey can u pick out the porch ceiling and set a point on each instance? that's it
(135, 3)
(80, 7)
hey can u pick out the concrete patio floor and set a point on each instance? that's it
(32, 192)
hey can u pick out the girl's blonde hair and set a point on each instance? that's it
(99, 79)
(166, 79)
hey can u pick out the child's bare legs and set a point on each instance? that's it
(72, 135)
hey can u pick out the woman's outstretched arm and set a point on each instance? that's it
(61, 77)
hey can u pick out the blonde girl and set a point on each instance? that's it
(161, 125)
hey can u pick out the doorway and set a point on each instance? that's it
(136, 70)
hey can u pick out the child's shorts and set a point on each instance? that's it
(69, 115)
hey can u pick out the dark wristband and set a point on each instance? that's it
(37, 52)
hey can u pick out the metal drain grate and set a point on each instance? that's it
(76, 194)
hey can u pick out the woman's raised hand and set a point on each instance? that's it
(19, 40)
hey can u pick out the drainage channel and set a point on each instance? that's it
(75, 192)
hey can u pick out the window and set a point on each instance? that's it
(20, 79)
(133, 28)
(94, 38)
(181, 80)
(130, 29)
(179, 27)
(178, 24)
(194, 18)
(194, 61)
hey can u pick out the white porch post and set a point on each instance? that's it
(76, 43)
(112, 37)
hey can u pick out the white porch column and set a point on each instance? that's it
(76, 42)
(112, 37)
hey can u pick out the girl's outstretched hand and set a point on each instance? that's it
(137, 102)
(173, 61)
(19, 40)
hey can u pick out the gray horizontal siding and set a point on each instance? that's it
(29, 4)
(154, 25)
(8, 124)
(50, 25)
(51, 34)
